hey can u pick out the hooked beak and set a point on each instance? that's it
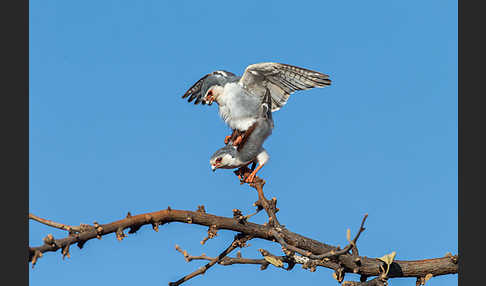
(213, 168)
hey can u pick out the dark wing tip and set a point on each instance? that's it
(318, 79)
(186, 94)
(323, 81)
(195, 90)
(199, 100)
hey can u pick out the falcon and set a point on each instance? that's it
(251, 151)
(240, 98)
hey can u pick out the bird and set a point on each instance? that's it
(251, 151)
(239, 97)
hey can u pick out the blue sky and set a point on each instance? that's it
(109, 132)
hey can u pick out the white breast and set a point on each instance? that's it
(236, 108)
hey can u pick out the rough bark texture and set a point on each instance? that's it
(297, 248)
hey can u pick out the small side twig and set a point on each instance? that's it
(69, 228)
(246, 217)
(225, 261)
(269, 207)
(352, 244)
(212, 233)
(264, 263)
(333, 253)
(239, 241)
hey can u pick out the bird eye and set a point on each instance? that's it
(210, 93)
(218, 160)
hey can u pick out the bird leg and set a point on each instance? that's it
(231, 137)
(244, 137)
(210, 97)
(242, 173)
(238, 137)
(251, 177)
(227, 139)
(238, 140)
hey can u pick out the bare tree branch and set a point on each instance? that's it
(297, 248)
(369, 266)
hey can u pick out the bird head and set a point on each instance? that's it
(224, 158)
(212, 94)
(213, 85)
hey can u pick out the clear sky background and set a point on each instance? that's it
(109, 132)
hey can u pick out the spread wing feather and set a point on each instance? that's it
(281, 80)
(194, 92)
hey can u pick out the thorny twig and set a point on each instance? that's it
(269, 206)
(264, 263)
(69, 228)
(212, 232)
(333, 253)
(239, 241)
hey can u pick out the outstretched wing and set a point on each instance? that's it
(281, 80)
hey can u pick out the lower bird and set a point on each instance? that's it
(250, 150)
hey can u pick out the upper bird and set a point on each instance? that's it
(240, 98)
(250, 151)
